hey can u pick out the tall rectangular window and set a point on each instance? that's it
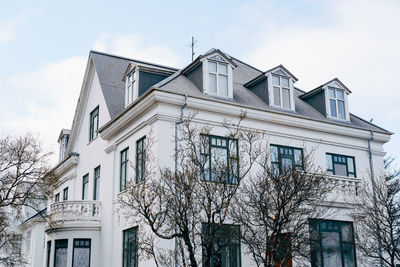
(96, 176)
(220, 156)
(94, 124)
(123, 170)
(140, 159)
(223, 244)
(65, 194)
(48, 253)
(285, 159)
(281, 90)
(81, 253)
(85, 186)
(130, 248)
(340, 165)
(218, 78)
(61, 253)
(336, 103)
(332, 243)
(57, 197)
(130, 94)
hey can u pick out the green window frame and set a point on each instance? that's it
(329, 238)
(140, 159)
(123, 169)
(220, 159)
(85, 187)
(65, 194)
(57, 197)
(226, 246)
(130, 256)
(48, 253)
(96, 183)
(81, 245)
(334, 163)
(286, 159)
(60, 258)
(94, 124)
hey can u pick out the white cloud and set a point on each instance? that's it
(8, 28)
(133, 45)
(42, 101)
(356, 41)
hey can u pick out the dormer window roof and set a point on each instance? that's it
(331, 99)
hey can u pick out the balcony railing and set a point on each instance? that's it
(77, 210)
(345, 184)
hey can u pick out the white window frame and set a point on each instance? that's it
(131, 87)
(336, 99)
(334, 85)
(206, 82)
(271, 92)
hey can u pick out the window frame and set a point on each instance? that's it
(125, 233)
(96, 183)
(94, 115)
(74, 246)
(217, 74)
(140, 152)
(85, 180)
(123, 164)
(336, 99)
(65, 194)
(333, 170)
(57, 197)
(48, 253)
(279, 157)
(59, 241)
(207, 154)
(230, 242)
(281, 87)
(317, 223)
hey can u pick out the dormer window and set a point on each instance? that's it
(336, 103)
(131, 87)
(218, 78)
(217, 75)
(281, 91)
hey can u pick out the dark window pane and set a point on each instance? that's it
(331, 249)
(340, 169)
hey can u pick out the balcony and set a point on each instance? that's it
(77, 213)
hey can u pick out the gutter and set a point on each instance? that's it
(176, 168)
(371, 167)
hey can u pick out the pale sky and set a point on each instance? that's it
(44, 47)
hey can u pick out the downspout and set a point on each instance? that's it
(176, 167)
(371, 167)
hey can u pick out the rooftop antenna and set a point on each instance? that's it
(192, 45)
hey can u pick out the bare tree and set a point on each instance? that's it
(25, 182)
(274, 205)
(378, 218)
(189, 202)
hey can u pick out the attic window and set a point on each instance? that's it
(218, 78)
(281, 87)
(131, 85)
(336, 103)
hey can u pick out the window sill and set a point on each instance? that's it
(219, 96)
(91, 141)
(344, 178)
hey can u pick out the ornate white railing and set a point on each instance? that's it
(78, 210)
(345, 184)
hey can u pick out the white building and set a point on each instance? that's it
(122, 99)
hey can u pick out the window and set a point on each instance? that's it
(130, 248)
(218, 78)
(220, 158)
(61, 253)
(94, 124)
(340, 165)
(48, 253)
(281, 88)
(332, 243)
(223, 243)
(65, 194)
(96, 183)
(81, 253)
(285, 159)
(140, 159)
(336, 103)
(130, 93)
(123, 175)
(85, 186)
(57, 197)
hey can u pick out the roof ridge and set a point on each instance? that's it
(373, 124)
(132, 59)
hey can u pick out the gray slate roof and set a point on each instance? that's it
(110, 69)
